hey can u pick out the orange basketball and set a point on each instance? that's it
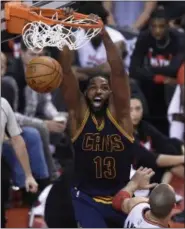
(43, 74)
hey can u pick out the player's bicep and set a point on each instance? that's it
(130, 203)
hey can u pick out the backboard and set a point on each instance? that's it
(43, 4)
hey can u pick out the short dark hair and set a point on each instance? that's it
(159, 13)
(162, 200)
(93, 77)
(84, 84)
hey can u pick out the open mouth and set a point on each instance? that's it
(97, 101)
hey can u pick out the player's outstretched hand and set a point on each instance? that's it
(31, 184)
(142, 178)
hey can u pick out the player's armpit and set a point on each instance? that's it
(129, 204)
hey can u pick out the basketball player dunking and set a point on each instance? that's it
(101, 131)
(152, 212)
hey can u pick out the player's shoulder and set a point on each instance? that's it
(115, 35)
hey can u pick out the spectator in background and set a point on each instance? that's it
(37, 162)
(3, 64)
(176, 114)
(10, 91)
(163, 48)
(9, 124)
(176, 118)
(156, 142)
(156, 59)
(130, 13)
(137, 14)
(31, 137)
(174, 10)
(91, 58)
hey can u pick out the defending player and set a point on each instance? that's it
(101, 131)
(154, 212)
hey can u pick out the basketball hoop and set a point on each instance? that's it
(50, 27)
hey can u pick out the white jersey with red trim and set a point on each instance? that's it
(89, 56)
(136, 218)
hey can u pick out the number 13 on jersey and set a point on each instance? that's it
(105, 167)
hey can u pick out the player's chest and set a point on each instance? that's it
(102, 142)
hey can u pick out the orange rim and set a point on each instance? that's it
(17, 15)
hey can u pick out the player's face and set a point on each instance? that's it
(28, 55)
(158, 28)
(136, 111)
(98, 93)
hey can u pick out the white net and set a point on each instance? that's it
(37, 34)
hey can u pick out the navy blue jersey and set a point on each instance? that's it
(102, 156)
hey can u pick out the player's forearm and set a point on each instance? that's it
(21, 154)
(169, 160)
(113, 56)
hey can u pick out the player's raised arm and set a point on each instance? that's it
(70, 86)
(119, 79)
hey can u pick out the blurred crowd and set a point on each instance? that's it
(153, 52)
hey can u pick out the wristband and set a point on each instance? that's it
(119, 198)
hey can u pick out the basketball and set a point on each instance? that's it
(43, 74)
